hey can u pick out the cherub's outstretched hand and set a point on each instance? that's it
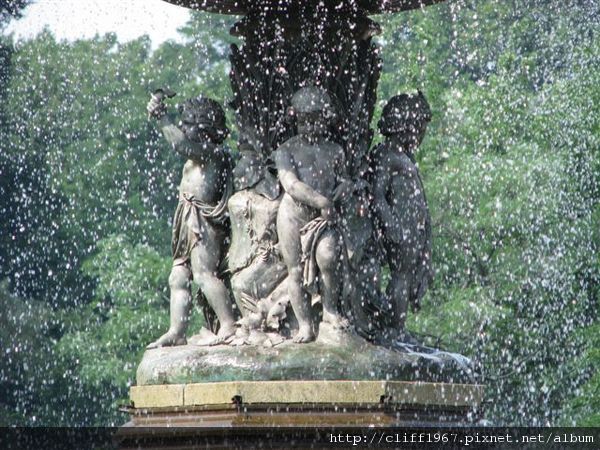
(156, 107)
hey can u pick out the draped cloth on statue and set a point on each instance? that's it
(310, 235)
(192, 216)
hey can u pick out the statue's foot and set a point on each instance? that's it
(225, 335)
(257, 337)
(305, 334)
(169, 339)
(242, 332)
(275, 339)
(335, 320)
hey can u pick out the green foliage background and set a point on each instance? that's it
(511, 165)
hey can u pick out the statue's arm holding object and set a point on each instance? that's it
(344, 186)
(299, 191)
(180, 143)
(158, 110)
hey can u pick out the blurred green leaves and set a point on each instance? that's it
(510, 163)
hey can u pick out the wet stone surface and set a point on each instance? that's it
(335, 355)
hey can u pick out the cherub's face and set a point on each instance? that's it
(193, 130)
(195, 133)
(420, 133)
(312, 124)
(412, 138)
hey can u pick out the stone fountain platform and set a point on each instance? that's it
(339, 381)
(335, 355)
(229, 394)
(280, 414)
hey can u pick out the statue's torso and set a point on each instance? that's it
(253, 219)
(405, 192)
(204, 180)
(316, 164)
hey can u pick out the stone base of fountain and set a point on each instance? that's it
(252, 391)
(335, 355)
(284, 412)
(240, 403)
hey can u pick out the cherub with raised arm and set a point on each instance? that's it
(200, 222)
(310, 168)
(400, 205)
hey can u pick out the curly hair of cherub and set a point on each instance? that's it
(404, 113)
(206, 114)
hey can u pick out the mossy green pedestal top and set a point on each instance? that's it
(334, 356)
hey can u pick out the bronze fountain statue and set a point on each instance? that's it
(288, 242)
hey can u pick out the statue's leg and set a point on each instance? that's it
(288, 230)
(259, 280)
(205, 260)
(398, 289)
(329, 261)
(180, 308)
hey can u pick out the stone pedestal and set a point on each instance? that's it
(282, 412)
(335, 355)
(230, 396)
(341, 381)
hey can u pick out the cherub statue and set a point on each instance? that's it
(310, 169)
(200, 222)
(400, 204)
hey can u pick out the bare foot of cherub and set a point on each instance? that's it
(305, 334)
(335, 320)
(169, 339)
(225, 334)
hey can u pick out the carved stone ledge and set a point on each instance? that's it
(335, 355)
(208, 413)
(333, 392)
